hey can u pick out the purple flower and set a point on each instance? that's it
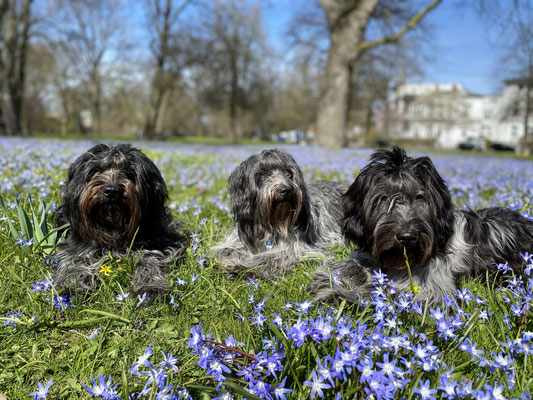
(252, 283)
(324, 372)
(317, 384)
(304, 306)
(258, 320)
(102, 388)
(142, 299)
(389, 368)
(142, 360)
(42, 393)
(169, 361)
(424, 391)
(217, 370)
(12, 318)
(280, 390)
(122, 297)
(94, 333)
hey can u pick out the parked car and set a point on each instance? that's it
(475, 143)
(501, 147)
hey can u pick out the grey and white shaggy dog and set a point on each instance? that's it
(278, 218)
(400, 207)
(114, 199)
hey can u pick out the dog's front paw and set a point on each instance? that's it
(345, 279)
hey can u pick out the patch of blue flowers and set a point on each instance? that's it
(394, 348)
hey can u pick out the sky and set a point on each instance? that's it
(462, 51)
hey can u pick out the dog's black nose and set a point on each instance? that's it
(406, 238)
(112, 191)
(285, 192)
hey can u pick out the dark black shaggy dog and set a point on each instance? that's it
(278, 219)
(401, 204)
(111, 196)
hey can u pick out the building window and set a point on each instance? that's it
(514, 130)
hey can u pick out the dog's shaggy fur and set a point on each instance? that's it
(278, 219)
(114, 198)
(400, 204)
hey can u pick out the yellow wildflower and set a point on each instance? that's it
(105, 269)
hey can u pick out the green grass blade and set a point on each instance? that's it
(12, 229)
(106, 314)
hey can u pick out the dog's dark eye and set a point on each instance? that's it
(420, 196)
(131, 175)
(91, 174)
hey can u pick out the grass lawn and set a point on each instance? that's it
(211, 337)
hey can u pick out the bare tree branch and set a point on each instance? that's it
(398, 35)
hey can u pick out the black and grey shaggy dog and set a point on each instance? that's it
(400, 207)
(278, 219)
(114, 198)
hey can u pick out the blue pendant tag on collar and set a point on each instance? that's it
(271, 241)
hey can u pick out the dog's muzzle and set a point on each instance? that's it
(407, 239)
(112, 192)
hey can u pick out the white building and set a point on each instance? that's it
(447, 114)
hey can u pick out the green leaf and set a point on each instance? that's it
(25, 223)
(239, 390)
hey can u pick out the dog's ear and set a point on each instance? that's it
(244, 201)
(440, 196)
(153, 185)
(78, 174)
(352, 205)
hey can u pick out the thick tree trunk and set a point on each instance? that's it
(159, 87)
(96, 105)
(347, 31)
(13, 63)
(332, 108)
(156, 100)
(234, 131)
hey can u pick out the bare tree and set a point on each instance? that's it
(372, 73)
(347, 24)
(232, 75)
(511, 22)
(162, 22)
(519, 52)
(91, 36)
(15, 24)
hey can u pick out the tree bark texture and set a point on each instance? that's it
(158, 87)
(347, 30)
(15, 32)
